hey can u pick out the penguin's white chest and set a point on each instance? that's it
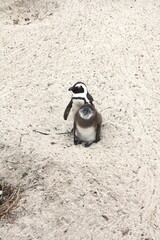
(77, 104)
(86, 134)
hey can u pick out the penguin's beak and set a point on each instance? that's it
(70, 89)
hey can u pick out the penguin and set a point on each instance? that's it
(80, 97)
(87, 125)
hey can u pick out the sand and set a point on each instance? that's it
(110, 191)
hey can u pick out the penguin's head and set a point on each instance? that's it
(78, 87)
(86, 111)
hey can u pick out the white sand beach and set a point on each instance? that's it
(111, 190)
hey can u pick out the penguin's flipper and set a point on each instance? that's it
(67, 110)
(98, 131)
(90, 98)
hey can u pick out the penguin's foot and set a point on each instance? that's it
(97, 139)
(88, 144)
(77, 141)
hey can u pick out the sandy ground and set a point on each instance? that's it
(110, 191)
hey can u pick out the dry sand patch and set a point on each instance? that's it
(111, 190)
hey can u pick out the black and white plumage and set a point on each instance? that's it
(80, 97)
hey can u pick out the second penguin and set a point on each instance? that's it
(87, 125)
